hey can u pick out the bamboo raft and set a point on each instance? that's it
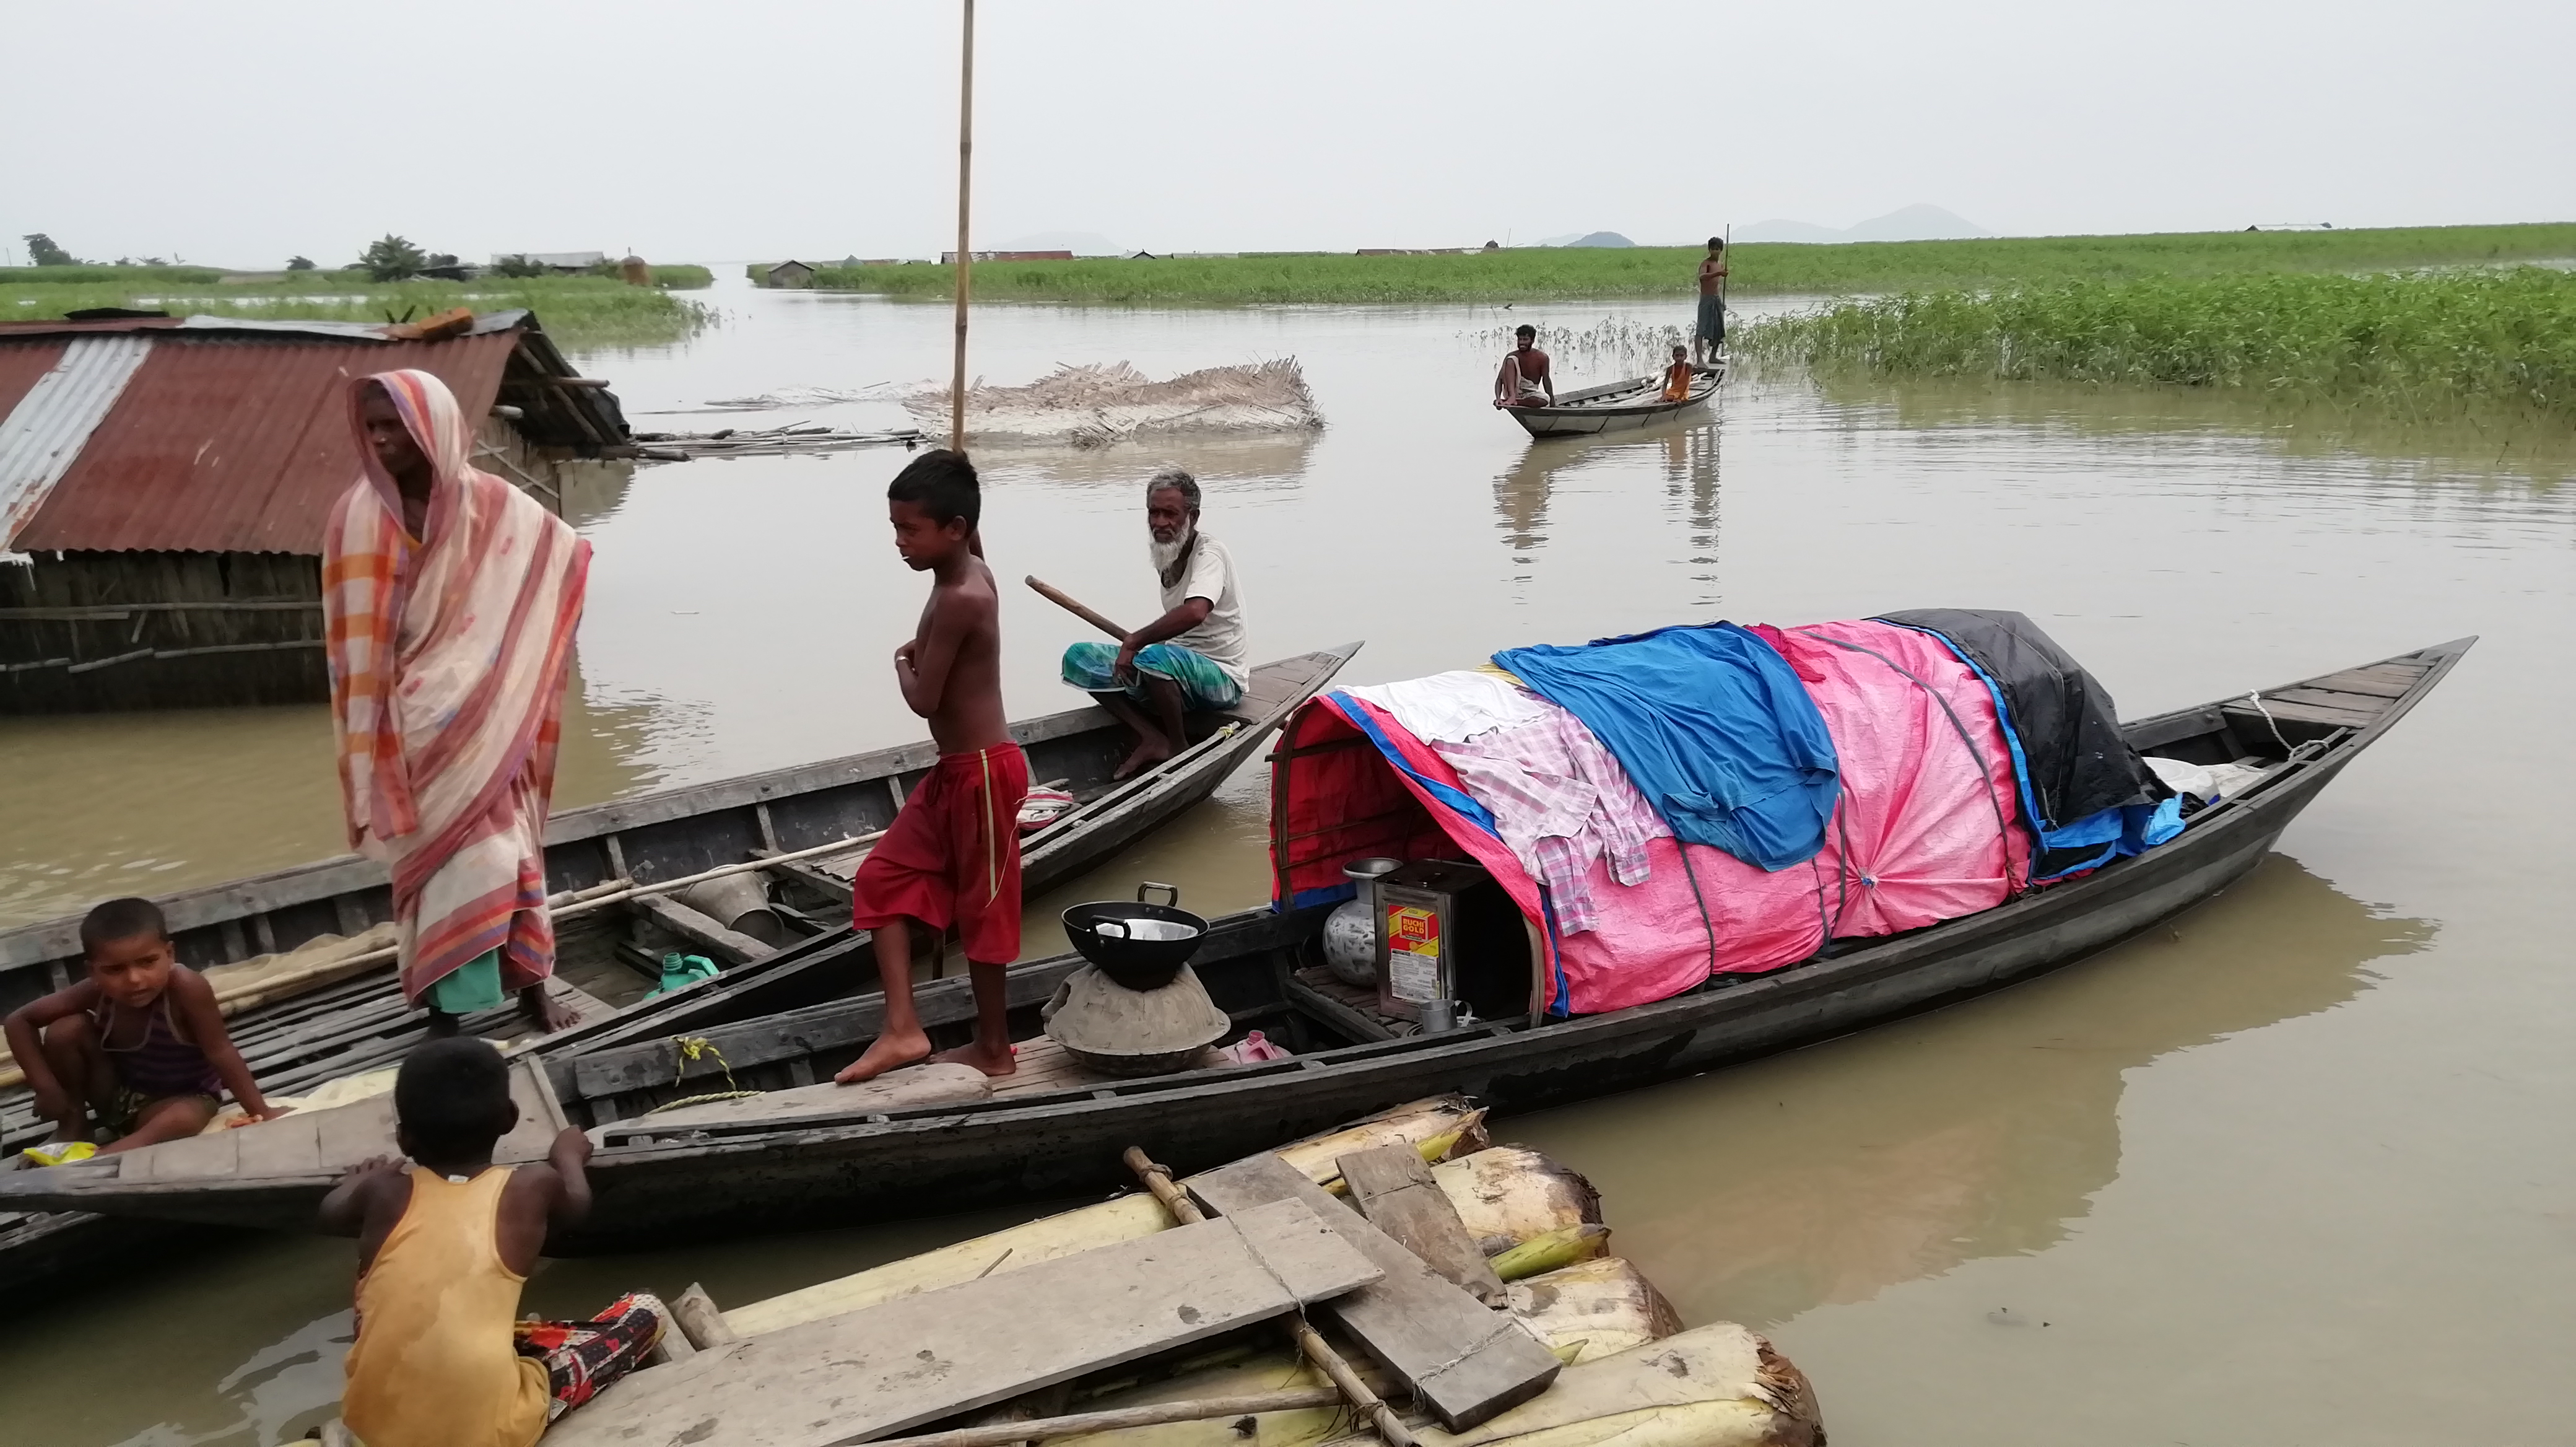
(1064, 1330)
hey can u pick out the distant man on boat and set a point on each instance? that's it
(449, 599)
(1711, 331)
(1192, 657)
(1524, 380)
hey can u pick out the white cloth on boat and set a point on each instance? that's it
(1451, 708)
(1560, 801)
(2207, 782)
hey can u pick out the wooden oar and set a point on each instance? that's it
(1075, 608)
(1310, 1343)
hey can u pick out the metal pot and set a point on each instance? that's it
(1350, 932)
(1141, 946)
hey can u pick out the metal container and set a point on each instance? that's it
(739, 902)
(1141, 946)
(1449, 935)
(1439, 1016)
(1350, 932)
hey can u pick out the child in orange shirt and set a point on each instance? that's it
(1677, 377)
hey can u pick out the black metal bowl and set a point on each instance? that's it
(1141, 946)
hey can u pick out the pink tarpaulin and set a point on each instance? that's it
(1926, 829)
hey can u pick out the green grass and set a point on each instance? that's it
(1757, 267)
(683, 278)
(2423, 344)
(579, 311)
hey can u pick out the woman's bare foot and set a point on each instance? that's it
(886, 1052)
(549, 1013)
(991, 1062)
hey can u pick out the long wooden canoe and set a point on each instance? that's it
(360, 1023)
(1616, 406)
(1054, 1130)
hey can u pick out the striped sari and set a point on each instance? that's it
(448, 658)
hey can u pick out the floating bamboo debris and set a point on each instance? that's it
(1096, 404)
(796, 439)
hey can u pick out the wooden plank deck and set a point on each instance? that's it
(921, 1358)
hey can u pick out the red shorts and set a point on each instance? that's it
(953, 855)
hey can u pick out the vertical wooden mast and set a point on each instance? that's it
(965, 193)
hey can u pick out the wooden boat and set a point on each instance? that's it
(1616, 406)
(349, 1018)
(813, 1157)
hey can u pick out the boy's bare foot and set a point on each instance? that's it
(1150, 750)
(548, 1013)
(886, 1052)
(1001, 1062)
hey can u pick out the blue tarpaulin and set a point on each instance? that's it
(1713, 727)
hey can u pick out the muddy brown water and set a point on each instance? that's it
(2301, 1167)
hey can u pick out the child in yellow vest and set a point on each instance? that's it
(444, 1245)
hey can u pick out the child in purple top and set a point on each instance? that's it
(139, 1041)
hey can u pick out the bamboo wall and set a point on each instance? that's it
(93, 632)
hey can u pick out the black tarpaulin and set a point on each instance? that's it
(2067, 725)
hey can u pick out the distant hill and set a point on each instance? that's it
(1913, 223)
(1594, 238)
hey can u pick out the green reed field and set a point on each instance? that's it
(1757, 268)
(2418, 344)
(579, 311)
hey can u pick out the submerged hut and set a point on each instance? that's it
(791, 274)
(164, 484)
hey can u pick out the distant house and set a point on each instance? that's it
(562, 263)
(795, 274)
(1144, 256)
(164, 484)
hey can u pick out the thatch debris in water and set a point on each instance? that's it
(1101, 403)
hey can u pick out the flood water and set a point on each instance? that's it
(2301, 1168)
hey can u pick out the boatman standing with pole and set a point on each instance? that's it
(449, 600)
(1710, 334)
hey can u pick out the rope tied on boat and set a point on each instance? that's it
(2255, 697)
(713, 1097)
(693, 1048)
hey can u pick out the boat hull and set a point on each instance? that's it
(1617, 407)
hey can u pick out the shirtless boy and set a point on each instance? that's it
(1524, 380)
(1710, 333)
(138, 1039)
(953, 854)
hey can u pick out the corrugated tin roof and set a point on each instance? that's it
(232, 438)
(45, 433)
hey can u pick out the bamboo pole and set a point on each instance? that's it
(965, 193)
(1310, 1343)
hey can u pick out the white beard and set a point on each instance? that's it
(1167, 555)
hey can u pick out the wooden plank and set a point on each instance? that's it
(290, 1146)
(1341, 1018)
(195, 1159)
(920, 1358)
(1463, 1360)
(539, 1117)
(2363, 680)
(348, 1134)
(729, 946)
(2369, 705)
(1394, 1190)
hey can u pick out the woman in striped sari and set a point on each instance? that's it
(449, 599)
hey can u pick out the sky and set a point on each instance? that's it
(239, 132)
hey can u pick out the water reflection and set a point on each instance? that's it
(1271, 463)
(1685, 458)
(1829, 1175)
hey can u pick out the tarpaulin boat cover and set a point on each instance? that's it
(1711, 726)
(2090, 795)
(1926, 826)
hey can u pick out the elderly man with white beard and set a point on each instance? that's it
(1190, 658)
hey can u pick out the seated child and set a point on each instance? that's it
(139, 1040)
(1677, 377)
(443, 1247)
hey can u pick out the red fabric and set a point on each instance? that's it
(953, 855)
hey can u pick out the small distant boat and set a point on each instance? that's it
(1616, 406)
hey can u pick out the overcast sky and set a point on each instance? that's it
(241, 131)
